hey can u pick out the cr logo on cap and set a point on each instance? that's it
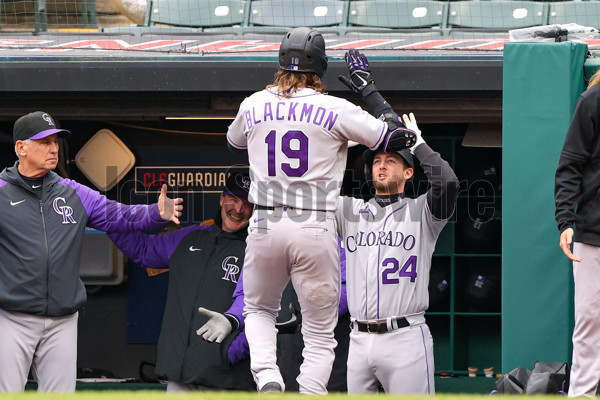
(48, 119)
(246, 182)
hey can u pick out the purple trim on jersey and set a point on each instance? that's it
(343, 306)
(2, 182)
(379, 254)
(383, 131)
(426, 359)
(48, 132)
(237, 146)
(387, 141)
(392, 213)
(366, 211)
(110, 216)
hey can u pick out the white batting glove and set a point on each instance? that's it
(411, 123)
(216, 329)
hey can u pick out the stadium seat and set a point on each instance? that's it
(395, 15)
(278, 16)
(213, 15)
(496, 16)
(86, 11)
(583, 13)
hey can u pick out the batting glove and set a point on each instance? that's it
(399, 137)
(411, 123)
(216, 329)
(360, 73)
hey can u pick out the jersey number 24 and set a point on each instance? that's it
(391, 266)
(300, 153)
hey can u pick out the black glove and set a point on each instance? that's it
(360, 73)
(393, 120)
(361, 81)
(293, 325)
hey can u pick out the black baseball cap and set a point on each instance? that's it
(238, 184)
(36, 125)
(369, 155)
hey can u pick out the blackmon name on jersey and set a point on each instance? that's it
(289, 111)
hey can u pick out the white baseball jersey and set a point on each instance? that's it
(388, 256)
(297, 146)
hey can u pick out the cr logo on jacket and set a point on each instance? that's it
(65, 211)
(231, 270)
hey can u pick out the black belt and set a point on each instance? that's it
(381, 327)
(271, 208)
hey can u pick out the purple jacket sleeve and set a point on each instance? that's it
(237, 307)
(111, 216)
(343, 307)
(152, 251)
(239, 349)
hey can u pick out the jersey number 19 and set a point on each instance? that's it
(300, 153)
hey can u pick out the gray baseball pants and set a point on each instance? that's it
(585, 370)
(47, 345)
(305, 249)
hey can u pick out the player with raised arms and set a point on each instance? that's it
(297, 139)
(389, 241)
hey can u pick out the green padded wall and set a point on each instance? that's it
(541, 84)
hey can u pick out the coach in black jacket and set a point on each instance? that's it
(577, 198)
(42, 223)
(205, 264)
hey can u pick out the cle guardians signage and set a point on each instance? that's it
(209, 179)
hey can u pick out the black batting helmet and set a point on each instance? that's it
(483, 288)
(303, 50)
(369, 155)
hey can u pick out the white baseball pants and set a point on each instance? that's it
(47, 345)
(401, 360)
(281, 246)
(585, 369)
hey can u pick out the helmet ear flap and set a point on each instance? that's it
(368, 156)
(368, 174)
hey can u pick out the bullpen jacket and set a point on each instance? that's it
(205, 265)
(41, 240)
(577, 180)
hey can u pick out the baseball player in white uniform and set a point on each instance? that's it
(389, 241)
(297, 138)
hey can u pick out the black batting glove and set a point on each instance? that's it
(360, 73)
(399, 137)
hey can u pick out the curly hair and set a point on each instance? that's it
(594, 79)
(288, 82)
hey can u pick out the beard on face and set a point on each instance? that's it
(390, 186)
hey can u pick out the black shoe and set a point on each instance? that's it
(271, 387)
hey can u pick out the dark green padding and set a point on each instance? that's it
(541, 84)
